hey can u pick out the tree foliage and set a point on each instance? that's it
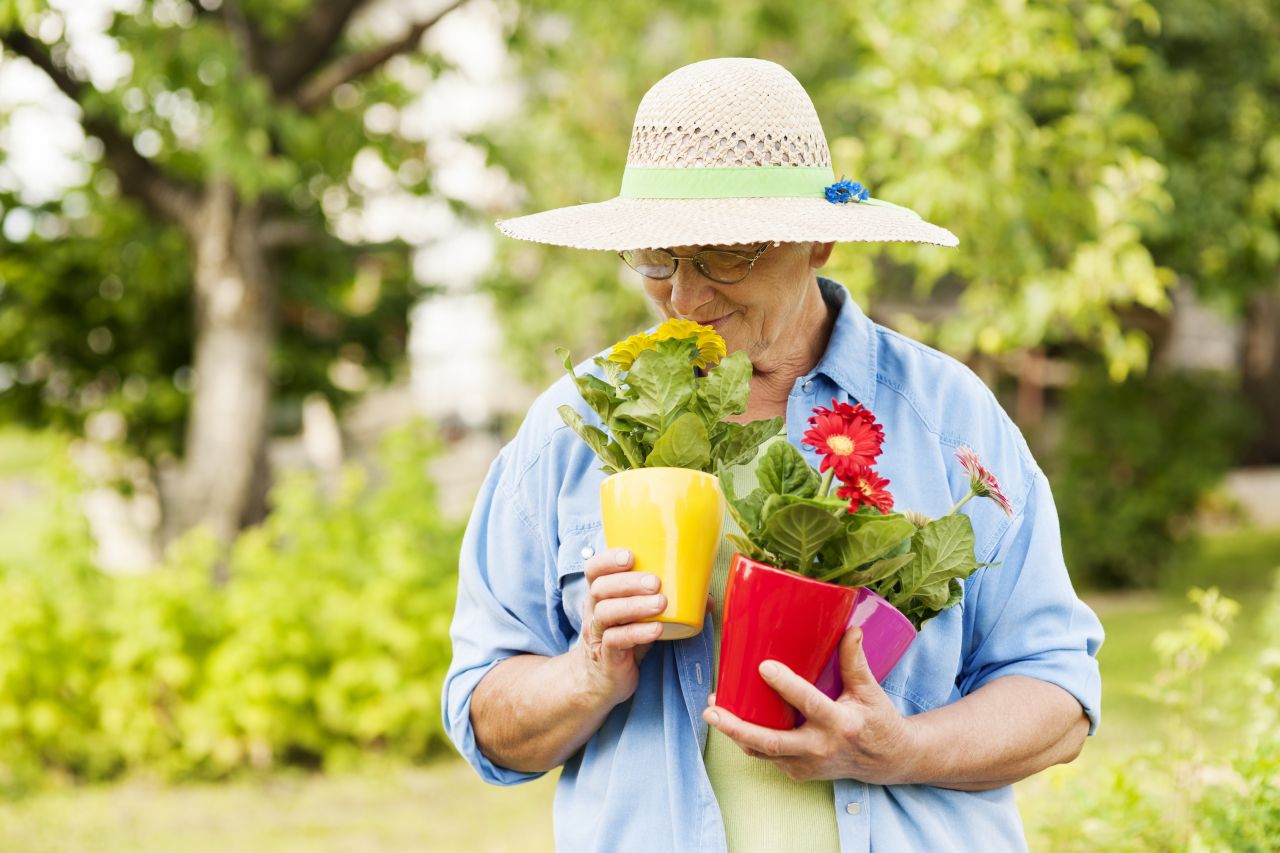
(1211, 88)
(201, 252)
(1014, 124)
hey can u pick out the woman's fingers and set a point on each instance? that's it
(617, 595)
(622, 584)
(607, 562)
(622, 611)
(631, 636)
(617, 600)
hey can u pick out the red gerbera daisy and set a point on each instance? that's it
(845, 412)
(866, 488)
(982, 482)
(844, 444)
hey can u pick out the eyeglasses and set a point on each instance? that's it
(719, 265)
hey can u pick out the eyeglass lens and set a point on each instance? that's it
(724, 267)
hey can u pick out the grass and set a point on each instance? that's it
(441, 808)
(446, 808)
(1244, 565)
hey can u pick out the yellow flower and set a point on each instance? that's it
(711, 346)
(625, 352)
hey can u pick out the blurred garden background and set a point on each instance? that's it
(259, 342)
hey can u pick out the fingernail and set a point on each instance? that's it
(768, 669)
(713, 718)
(623, 556)
(650, 583)
(659, 602)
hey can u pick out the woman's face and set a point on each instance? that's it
(756, 314)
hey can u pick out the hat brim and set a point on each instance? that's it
(653, 223)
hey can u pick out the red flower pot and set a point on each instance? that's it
(770, 614)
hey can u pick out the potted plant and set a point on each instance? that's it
(662, 400)
(810, 564)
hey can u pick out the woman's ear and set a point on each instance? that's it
(819, 254)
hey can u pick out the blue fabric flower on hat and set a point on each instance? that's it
(843, 192)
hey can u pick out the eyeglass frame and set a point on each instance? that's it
(698, 265)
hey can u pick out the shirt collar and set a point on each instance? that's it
(850, 357)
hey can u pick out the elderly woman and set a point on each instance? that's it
(729, 207)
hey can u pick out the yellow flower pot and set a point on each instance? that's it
(670, 519)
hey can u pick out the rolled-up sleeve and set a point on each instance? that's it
(1024, 617)
(508, 604)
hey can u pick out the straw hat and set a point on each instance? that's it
(727, 151)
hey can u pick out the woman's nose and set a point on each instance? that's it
(690, 290)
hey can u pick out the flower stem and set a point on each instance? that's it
(964, 500)
(826, 482)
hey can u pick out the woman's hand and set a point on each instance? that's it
(532, 713)
(859, 736)
(614, 641)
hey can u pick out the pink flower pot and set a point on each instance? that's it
(886, 634)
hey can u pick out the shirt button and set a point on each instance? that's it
(853, 808)
(808, 386)
(587, 552)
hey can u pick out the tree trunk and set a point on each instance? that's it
(1260, 363)
(234, 334)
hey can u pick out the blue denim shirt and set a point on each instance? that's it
(639, 783)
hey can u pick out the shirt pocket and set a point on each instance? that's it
(926, 676)
(578, 543)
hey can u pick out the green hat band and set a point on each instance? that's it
(744, 182)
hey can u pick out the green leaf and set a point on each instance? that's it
(772, 503)
(741, 442)
(612, 370)
(784, 471)
(684, 445)
(934, 595)
(931, 600)
(731, 500)
(566, 358)
(663, 384)
(750, 549)
(944, 550)
(631, 413)
(610, 454)
(798, 532)
(871, 576)
(871, 537)
(829, 503)
(720, 433)
(745, 511)
(956, 593)
(723, 391)
(629, 448)
(598, 394)
(750, 511)
(684, 349)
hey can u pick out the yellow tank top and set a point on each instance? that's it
(763, 809)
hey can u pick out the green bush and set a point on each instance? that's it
(328, 638)
(1134, 461)
(1186, 794)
